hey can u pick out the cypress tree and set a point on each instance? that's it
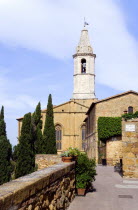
(2, 128)
(49, 137)
(5, 152)
(2, 113)
(15, 153)
(25, 153)
(37, 126)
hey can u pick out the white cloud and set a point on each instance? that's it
(53, 27)
(16, 105)
(19, 102)
(12, 100)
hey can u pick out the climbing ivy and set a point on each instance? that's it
(109, 127)
(129, 116)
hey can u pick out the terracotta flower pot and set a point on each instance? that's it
(62, 159)
(81, 191)
(67, 159)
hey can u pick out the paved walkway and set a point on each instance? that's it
(112, 193)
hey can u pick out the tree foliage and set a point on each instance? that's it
(2, 113)
(2, 128)
(109, 127)
(5, 151)
(25, 153)
(37, 126)
(49, 137)
(15, 152)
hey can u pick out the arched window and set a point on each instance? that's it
(58, 129)
(83, 66)
(130, 110)
(83, 136)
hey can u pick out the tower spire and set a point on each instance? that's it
(84, 62)
(84, 45)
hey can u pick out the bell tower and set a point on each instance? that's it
(84, 73)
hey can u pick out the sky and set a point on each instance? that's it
(38, 39)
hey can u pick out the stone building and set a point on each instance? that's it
(113, 106)
(69, 116)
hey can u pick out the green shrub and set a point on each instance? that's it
(85, 171)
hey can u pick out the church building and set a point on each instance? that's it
(69, 116)
(72, 126)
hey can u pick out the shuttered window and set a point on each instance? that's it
(130, 109)
(58, 129)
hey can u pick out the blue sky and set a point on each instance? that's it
(38, 39)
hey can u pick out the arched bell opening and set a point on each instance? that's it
(83, 66)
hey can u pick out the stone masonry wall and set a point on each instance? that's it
(130, 148)
(44, 161)
(114, 150)
(52, 188)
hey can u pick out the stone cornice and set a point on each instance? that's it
(84, 74)
(84, 54)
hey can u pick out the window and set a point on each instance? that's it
(83, 66)
(83, 130)
(130, 110)
(58, 136)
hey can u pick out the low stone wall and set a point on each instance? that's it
(44, 161)
(50, 189)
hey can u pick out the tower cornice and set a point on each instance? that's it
(85, 74)
(84, 54)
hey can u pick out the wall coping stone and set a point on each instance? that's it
(16, 191)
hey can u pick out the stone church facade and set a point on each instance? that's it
(69, 116)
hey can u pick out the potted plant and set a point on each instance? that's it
(74, 152)
(85, 173)
(81, 183)
(66, 157)
(70, 154)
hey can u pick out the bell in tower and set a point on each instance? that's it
(83, 65)
(84, 73)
